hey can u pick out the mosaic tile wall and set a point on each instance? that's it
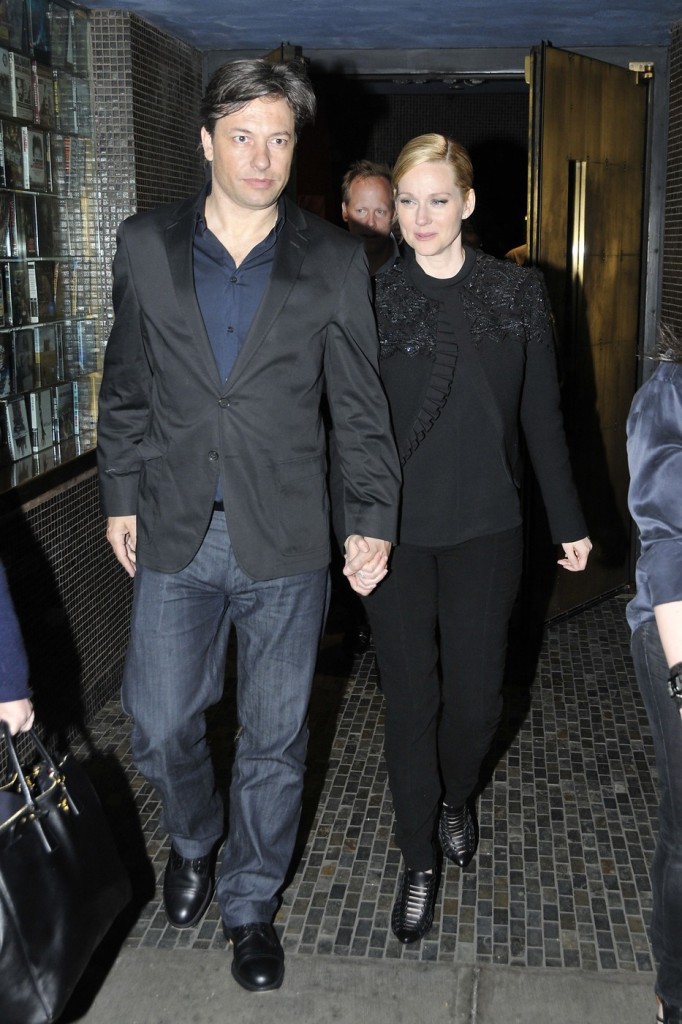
(473, 118)
(671, 307)
(113, 109)
(147, 90)
(167, 89)
(72, 600)
(566, 823)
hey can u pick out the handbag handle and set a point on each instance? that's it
(53, 772)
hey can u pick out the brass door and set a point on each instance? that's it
(586, 193)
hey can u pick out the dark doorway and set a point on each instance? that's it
(361, 118)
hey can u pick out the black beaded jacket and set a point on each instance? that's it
(504, 319)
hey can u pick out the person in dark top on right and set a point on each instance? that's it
(654, 431)
(467, 359)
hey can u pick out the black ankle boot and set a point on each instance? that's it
(412, 914)
(457, 834)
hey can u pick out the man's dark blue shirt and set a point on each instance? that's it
(229, 295)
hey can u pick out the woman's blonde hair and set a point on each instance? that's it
(431, 147)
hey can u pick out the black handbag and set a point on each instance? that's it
(62, 883)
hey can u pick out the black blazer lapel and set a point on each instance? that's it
(179, 248)
(290, 251)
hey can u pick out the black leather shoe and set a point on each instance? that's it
(457, 834)
(258, 962)
(187, 889)
(412, 914)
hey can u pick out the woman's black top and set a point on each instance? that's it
(465, 361)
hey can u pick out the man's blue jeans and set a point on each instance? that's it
(666, 868)
(175, 670)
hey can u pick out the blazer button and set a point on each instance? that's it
(223, 403)
(213, 456)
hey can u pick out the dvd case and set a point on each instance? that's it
(21, 82)
(6, 375)
(5, 84)
(16, 422)
(22, 360)
(40, 409)
(63, 411)
(46, 356)
(33, 156)
(14, 164)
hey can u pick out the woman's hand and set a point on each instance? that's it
(366, 562)
(18, 714)
(577, 552)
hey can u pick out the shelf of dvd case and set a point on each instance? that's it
(48, 415)
(51, 32)
(51, 344)
(53, 460)
(46, 162)
(36, 291)
(34, 226)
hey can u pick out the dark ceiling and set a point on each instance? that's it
(407, 24)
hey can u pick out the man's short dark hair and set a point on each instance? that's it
(363, 169)
(239, 82)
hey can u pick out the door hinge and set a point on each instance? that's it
(643, 69)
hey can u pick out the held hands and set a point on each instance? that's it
(122, 535)
(366, 562)
(577, 552)
(18, 714)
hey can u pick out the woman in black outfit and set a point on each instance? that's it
(467, 354)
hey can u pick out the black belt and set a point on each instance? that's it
(218, 506)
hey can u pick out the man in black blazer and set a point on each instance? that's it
(236, 313)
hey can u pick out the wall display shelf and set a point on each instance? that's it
(51, 309)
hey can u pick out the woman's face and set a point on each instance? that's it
(431, 208)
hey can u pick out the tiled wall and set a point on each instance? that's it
(671, 299)
(147, 90)
(115, 140)
(72, 600)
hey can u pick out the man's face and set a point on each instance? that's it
(369, 211)
(251, 153)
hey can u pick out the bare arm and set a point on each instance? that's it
(122, 535)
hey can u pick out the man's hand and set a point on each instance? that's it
(18, 714)
(366, 562)
(576, 552)
(122, 535)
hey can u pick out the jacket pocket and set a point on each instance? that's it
(148, 449)
(303, 504)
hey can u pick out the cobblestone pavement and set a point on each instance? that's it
(567, 819)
